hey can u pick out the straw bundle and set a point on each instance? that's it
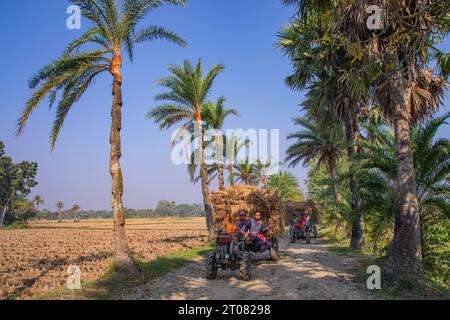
(308, 206)
(228, 203)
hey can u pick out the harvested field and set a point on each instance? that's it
(35, 260)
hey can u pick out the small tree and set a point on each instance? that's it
(75, 210)
(60, 206)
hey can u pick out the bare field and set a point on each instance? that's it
(35, 260)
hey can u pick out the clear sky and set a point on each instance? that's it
(237, 33)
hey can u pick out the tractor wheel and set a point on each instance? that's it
(210, 266)
(292, 236)
(315, 232)
(245, 266)
(274, 250)
(308, 237)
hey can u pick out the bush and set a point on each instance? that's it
(436, 252)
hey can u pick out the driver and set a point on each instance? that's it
(302, 219)
(256, 230)
(242, 225)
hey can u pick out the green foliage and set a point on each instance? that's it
(16, 182)
(246, 173)
(377, 174)
(163, 209)
(188, 91)
(20, 212)
(436, 252)
(286, 185)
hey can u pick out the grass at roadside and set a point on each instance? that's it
(117, 281)
(403, 289)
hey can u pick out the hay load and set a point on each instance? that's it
(309, 206)
(249, 199)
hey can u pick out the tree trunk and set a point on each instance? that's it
(123, 254)
(405, 256)
(219, 156)
(5, 207)
(357, 236)
(59, 216)
(205, 181)
(332, 168)
(2, 215)
(220, 176)
(231, 174)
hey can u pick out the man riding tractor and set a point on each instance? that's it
(302, 228)
(234, 248)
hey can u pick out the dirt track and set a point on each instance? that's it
(303, 272)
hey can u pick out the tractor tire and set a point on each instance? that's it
(292, 237)
(315, 232)
(210, 266)
(274, 256)
(245, 266)
(308, 237)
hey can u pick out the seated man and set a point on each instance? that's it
(301, 220)
(242, 225)
(256, 230)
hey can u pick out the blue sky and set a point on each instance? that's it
(238, 34)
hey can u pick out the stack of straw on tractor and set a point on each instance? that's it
(229, 202)
(308, 207)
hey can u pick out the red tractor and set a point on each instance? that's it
(302, 228)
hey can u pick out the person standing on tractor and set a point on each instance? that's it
(256, 233)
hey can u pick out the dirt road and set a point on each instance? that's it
(303, 272)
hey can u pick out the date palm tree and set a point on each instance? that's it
(187, 95)
(60, 207)
(233, 146)
(214, 116)
(410, 28)
(412, 92)
(75, 209)
(246, 173)
(99, 50)
(286, 185)
(326, 144)
(338, 87)
(38, 201)
(432, 169)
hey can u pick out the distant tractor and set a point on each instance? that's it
(302, 228)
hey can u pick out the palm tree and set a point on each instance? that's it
(410, 29)
(416, 25)
(113, 31)
(214, 116)
(233, 145)
(377, 171)
(188, 92)
(326, 144)
(60, 206)
(38, 200)
(246, 173)
(338, 84)
(263, 170)
(75, 209)
(286, 186)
